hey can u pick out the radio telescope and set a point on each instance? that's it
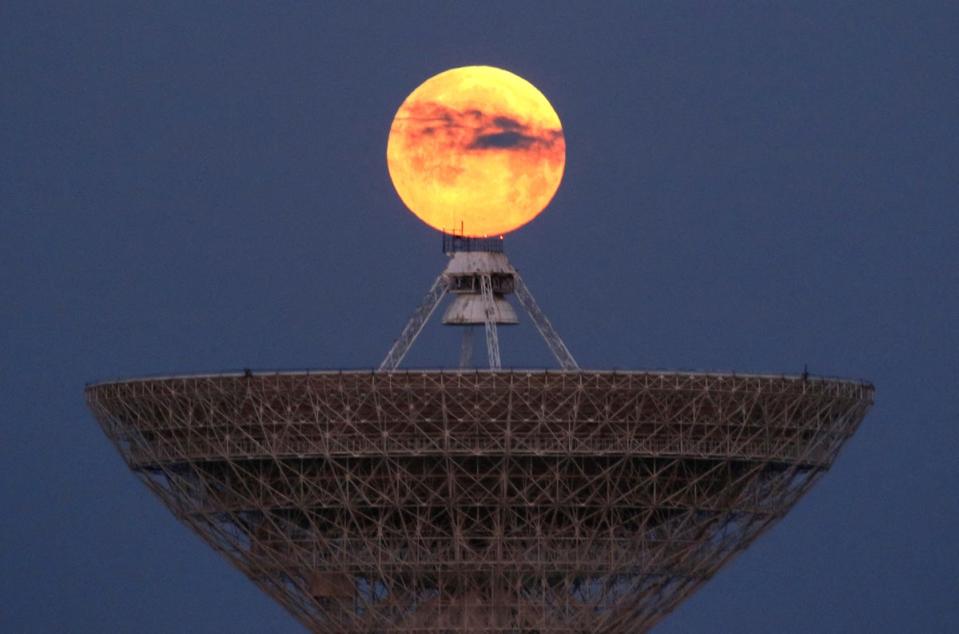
(479, 500)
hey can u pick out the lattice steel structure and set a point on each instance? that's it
(479, 501)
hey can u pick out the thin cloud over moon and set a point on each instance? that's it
(476, 149)
(474, 130)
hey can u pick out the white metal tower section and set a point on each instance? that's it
(479, 276)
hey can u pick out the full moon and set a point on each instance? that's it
(476, 151)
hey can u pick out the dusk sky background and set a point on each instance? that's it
(202, 186)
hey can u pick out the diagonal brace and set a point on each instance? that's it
(415, 325)
(546, 330)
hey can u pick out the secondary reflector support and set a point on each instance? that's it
(481, 277)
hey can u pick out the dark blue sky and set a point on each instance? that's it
(195, 188)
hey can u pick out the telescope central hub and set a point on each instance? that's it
(480, 277)
(466, 275)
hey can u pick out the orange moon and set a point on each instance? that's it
(476, 151)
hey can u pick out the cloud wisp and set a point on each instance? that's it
(473, 130)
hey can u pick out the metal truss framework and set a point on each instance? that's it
(479, 501)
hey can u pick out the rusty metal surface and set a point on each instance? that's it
(478, 501)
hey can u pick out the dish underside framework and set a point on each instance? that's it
(479, 500)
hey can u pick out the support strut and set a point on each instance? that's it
(415, 325)
(563, 356)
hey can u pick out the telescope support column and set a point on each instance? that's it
(466, 348)
(489, 312)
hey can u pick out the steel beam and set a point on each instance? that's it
(492, 337)
(563, 356)
(415, 325)
(466, 347)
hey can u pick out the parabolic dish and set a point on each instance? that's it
(458, 501)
